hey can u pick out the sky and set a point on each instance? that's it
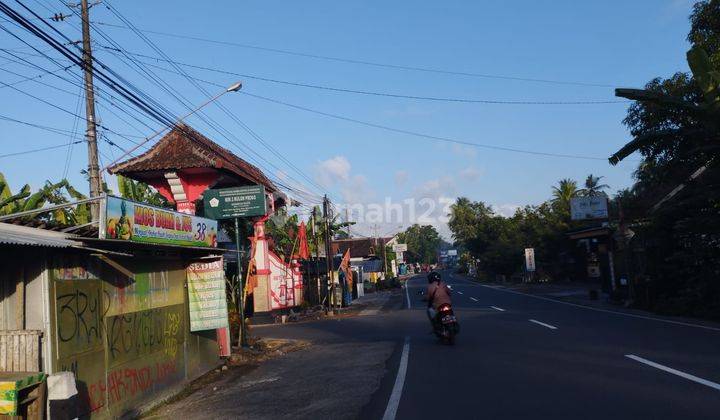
(573, 52)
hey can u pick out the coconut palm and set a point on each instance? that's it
(564, 191)
(593, 187)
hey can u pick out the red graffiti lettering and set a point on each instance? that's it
(96, 396)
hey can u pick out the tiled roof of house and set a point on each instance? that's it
(184, 147)
(359, 247)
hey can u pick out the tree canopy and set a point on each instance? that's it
(423, 243)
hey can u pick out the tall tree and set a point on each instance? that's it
(675, 124)
(593, 187)
(564, 192)
(423, 243)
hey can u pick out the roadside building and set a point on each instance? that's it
(366, 259)
(182, 166)
(114, 312)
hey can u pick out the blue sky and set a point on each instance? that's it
(616, 43)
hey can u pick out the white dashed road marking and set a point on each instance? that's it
(674, 371)
(473, 299)
(543, 324)
(498, 309)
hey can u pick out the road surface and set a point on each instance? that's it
(519, 357)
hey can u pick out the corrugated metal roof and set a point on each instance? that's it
(23, 235)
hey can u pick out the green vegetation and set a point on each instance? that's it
(140, 192)
(674, 256)
(675, 123)
(48, 194)
(423, 244)
(498, 242)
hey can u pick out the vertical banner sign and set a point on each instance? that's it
(530, 259)
(207, 300)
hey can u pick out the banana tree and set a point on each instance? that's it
(50, 193)
(139, 191)
(9, 202)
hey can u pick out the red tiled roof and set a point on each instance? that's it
(184, 147)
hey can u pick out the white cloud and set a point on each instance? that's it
(401, 177)
(470, 174)
(506, 210)
(333, 170)
(436, 188)
(355, 190)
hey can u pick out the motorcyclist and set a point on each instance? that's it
(438, 293)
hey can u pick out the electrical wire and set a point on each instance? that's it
(384, 94)
(42, 149)
(421, 135)
(231, 115)
(367, 62)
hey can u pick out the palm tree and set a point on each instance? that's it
(565, 190)
(593, 187)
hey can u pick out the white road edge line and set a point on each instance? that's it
(407, 293)
(473, 299)
(543, 324)
(674, 371)
(649, 318)
(396, 394)
(498, 309)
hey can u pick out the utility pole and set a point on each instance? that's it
(347, 220)
(328, 257)
(91, 133)
(317, 254)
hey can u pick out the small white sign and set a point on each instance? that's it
(530, 259)
(452, 252)
(399, 247)
(588, 208)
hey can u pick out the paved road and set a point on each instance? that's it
(522, 357)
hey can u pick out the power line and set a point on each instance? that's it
(422, 135)
(42, 149)
(377, 93)
(369, 63)
(179, 70)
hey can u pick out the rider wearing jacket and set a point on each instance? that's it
(438, 293)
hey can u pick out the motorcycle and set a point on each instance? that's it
(445, 324)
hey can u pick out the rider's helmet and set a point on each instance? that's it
(433, 277)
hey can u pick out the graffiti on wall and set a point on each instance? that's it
(121, 337)
(133, 335)
(81, 308)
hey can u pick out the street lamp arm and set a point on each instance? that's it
(233, 88)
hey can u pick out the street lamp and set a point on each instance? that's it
(232, 88)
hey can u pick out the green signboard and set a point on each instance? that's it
(228, 203)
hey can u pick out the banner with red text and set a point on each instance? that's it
(131, 221)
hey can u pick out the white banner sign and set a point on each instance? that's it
(530, 259)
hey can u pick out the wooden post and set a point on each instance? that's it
(20, 299)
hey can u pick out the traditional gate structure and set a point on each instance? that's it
(184, 164)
